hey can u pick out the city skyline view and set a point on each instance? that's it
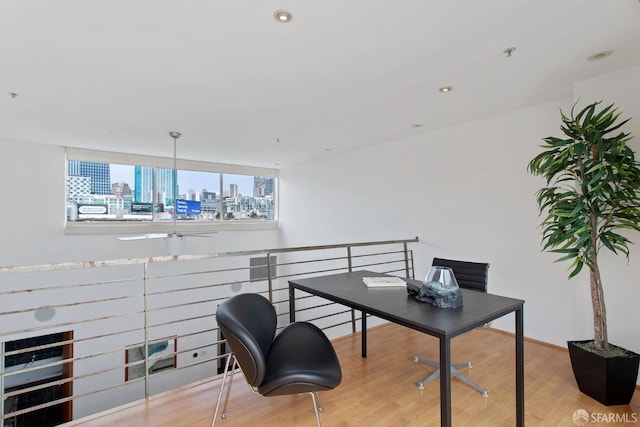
(190, 180)
(97, 190)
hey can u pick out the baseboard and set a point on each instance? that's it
(532, 340)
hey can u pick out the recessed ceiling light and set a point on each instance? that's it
(283, 16)
(445, 89)
(599, 55)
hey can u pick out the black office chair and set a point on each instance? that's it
(469, 275)
(300, 359)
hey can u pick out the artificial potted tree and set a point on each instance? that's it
(591, 198)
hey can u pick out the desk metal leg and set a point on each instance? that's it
(292, 304)
(445, 382)
(364, 334)
(519, 368)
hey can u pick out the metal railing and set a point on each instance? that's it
(100, 334)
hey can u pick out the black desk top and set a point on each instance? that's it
(394, 304)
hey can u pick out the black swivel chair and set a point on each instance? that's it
(300, 359)
(469, 275)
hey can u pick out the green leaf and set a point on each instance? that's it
(592, 186)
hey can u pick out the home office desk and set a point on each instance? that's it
(395, 305)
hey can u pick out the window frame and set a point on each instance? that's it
(112, 227)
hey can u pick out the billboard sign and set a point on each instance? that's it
(93, 209)
(187, 207)
(146, 207)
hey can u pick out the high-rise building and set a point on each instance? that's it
(78, 186)
(143, 186)
(258, 186)
(207, 195)
(233, 190)
(262, 186)
(268, 184)
(164, 182)
(98, 172)
(121, 189)
(192, 195)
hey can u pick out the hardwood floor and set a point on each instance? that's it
(381, 390)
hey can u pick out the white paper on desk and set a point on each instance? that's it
(383, 282)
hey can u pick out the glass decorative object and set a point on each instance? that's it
(440, 288)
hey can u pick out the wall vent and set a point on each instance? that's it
(258, 267)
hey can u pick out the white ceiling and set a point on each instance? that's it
(119, 75)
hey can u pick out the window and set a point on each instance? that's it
(114, 188)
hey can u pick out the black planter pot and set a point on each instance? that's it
(609, 380)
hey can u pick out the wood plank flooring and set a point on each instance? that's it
(381, 390)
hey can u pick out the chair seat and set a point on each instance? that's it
(301, 360)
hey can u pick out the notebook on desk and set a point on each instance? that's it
(383, 282)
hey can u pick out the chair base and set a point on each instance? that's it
(231, 367)
(455, 367)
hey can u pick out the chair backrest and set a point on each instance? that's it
(469, 275)
(248, 322)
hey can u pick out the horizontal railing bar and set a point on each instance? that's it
(307, 261)
(71, 304)
(198, 273)
(347, 322)
(203, 272)
(328, 270)
(36, 407)
(98, 264)
(170, 258)
(66, 399)
(200, 332)
(187, 319)
(71, 360)
(326, 316)
(184, 304)
(377, 254)
(200, 287)
(67, 324)
(73, 341)
(77, 285)
(379, 263)
(71, 379)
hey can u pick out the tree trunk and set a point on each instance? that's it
(597, 299)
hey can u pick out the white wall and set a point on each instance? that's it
(466, 193)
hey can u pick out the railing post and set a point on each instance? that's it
(413, 266)
(406, 260)
(146, 329)
(269, 281)
(2, 382)
(353, 312)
